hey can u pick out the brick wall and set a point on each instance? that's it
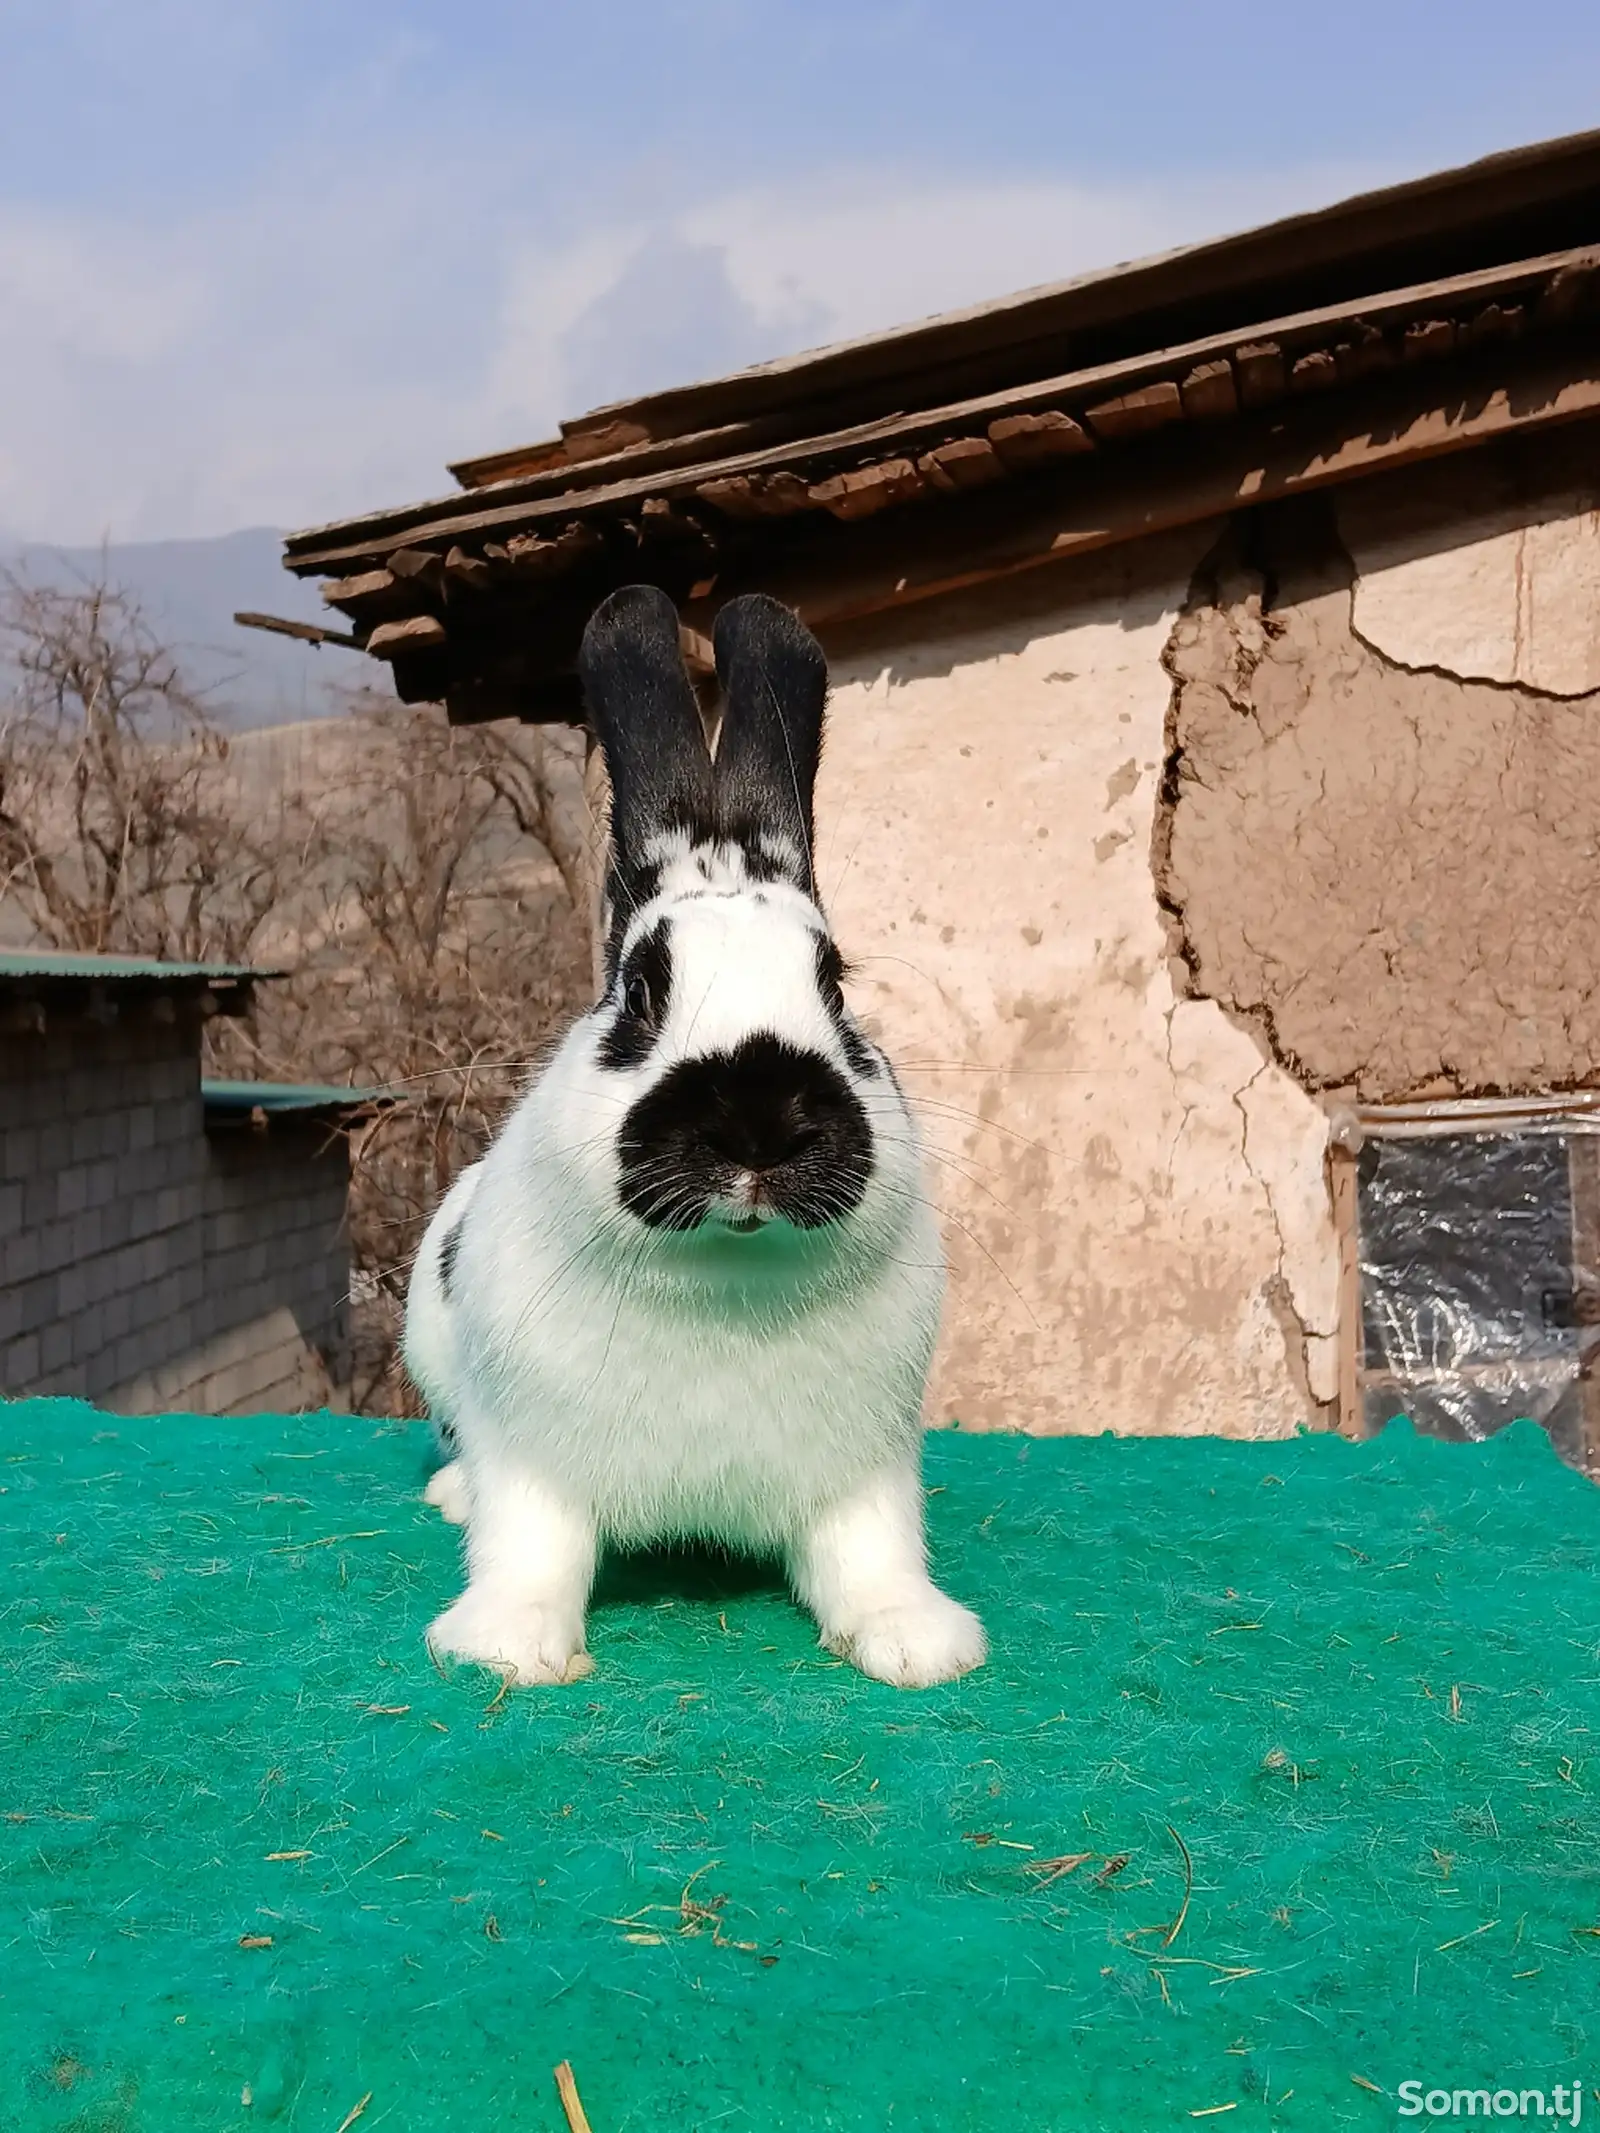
(144, 1263)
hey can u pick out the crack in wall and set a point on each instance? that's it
(1377, 871)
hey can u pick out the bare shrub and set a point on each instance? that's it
(119, 828)
(453, 946)
(421, 884)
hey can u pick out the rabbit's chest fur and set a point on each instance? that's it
(671, 1410)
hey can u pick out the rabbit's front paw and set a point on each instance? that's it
(914, 1643)
(530, 1641)
(447, 1492)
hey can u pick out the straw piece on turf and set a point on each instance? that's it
(1461, 1937)
(571, 2102)
(1176, 1926)
(329, 1540)
(1050, 1870)
(354, 2113)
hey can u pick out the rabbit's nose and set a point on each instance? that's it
(766, 1144)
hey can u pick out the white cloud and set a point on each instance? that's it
(310, 354)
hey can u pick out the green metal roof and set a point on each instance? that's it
(286, 1096)
(32, 964)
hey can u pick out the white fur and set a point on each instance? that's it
(606, 1381)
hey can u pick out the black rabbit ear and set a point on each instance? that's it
(775, 688)
(645, 717)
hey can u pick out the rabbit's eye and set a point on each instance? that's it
(636, 1002)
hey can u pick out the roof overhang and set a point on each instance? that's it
(42, 987)
(1400, 326)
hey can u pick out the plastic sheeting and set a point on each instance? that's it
(1477, 1307)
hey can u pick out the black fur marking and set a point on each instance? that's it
(447, 1253)
(762, 866)
(647, 721)
(767, 1107)
(830, 983)
(775, 687)
(641, 989)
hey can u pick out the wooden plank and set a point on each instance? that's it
(1495, 322)
(1314, 371)
(868, 490)
(967, 463)
(1209, 392)
(304, 632)
(1570, 291)
(1363, 354)
(1149, 407)
(1426, 341)
(468, 573)
(521, 460)
(1261, 372)
(373, 595)
(752, 496)
(397, 640)
(533, 558)
(350, 542)
(1344, 1181)
(1201, 473)
(1038, 439)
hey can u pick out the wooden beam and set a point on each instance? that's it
(1033, 440)
(372, 595)
(752, 496)
(467, 573)
(967, 463)
(399, 640)
(1209, 392)
(1178, 479)
(1343, 1182)
(865, 491)
(1148, 407)
(303, 632)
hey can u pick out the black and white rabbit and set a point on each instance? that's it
(692, 1290)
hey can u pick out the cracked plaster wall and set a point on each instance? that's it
(1387, 868)
(1135, 1204)
(1486, 567)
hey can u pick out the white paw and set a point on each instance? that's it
(447, 1492)
(914, 1644)
(530, 1642)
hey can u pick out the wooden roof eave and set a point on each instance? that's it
(1183, 477)
(632, 477)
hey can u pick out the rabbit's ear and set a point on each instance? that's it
(646, 719)
(775, 687)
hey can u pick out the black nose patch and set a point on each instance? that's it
(767, 1107)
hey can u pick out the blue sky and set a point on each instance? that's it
(270, 263)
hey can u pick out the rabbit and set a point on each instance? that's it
(692, 1289)
(429, 1356)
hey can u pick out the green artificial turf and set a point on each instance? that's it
(254, 1843)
